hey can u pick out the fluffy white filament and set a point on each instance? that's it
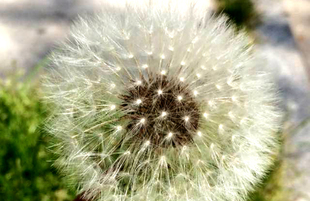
(111, 52)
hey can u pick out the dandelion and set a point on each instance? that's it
(158, 101)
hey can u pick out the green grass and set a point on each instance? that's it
(271, 188)
(240, 12)
(26, 173)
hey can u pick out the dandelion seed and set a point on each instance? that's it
(221, 129)
(142, 121)
(118, 128)
(170, 134)
(147, 143)
(199, 133)
(139, 82)
(160, 92)
(180, 98)
(139, 101)
(163, 114)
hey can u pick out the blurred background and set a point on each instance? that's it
(31, 29)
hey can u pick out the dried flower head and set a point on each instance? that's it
(158, 101)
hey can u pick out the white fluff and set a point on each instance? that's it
(238, 122)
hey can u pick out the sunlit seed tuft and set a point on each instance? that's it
(163, 114)
(142, 121)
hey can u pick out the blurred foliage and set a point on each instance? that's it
(241, 12)
(26, 172)
(271, 188)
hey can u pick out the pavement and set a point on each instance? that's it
(299, 17)
(279, 42)
(30, 29)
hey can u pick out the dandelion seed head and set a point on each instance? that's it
(149, 97)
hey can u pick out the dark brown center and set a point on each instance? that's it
(161, 111)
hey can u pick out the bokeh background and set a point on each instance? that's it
(31, 29)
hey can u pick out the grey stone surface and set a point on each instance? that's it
(29, 29)
(299, 17)
(277, 44)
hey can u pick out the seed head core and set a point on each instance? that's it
(161, 96)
